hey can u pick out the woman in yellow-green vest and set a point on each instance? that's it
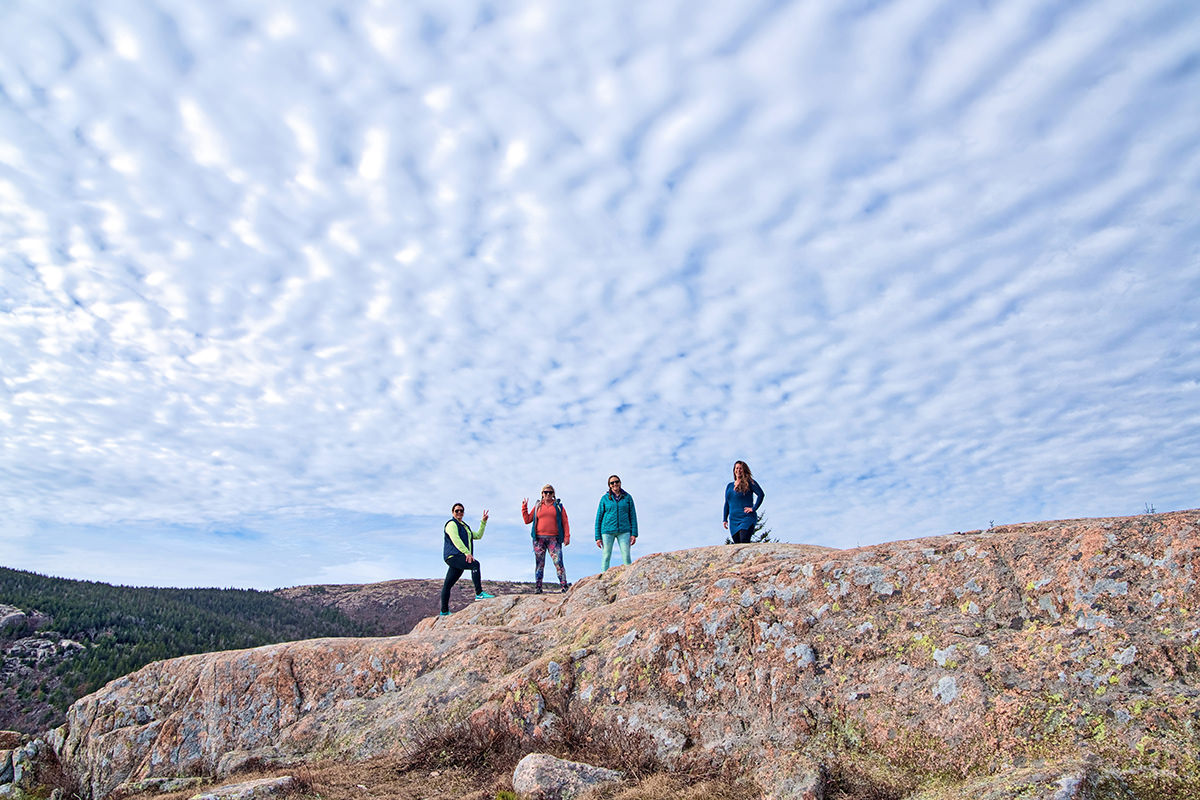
(458, 551)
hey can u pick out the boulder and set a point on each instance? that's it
(20, 771)
(160, 785)
(237, 760)
(539, 776)
(252, 790)
(12, 619)
(956, 655)
(25, 763)
(799, 779)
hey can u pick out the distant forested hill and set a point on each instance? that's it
(61, 639)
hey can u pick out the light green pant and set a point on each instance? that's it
(623, 540)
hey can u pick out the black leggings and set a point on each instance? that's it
(743, 536)
(456, 566)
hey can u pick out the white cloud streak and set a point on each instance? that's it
(309, 274)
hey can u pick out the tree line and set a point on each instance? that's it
(123, 628)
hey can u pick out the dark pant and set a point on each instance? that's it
(457, 565)
(743, 536)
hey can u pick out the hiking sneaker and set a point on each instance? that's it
(484, 596)
(443, 613)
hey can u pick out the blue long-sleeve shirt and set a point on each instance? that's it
(735, 501)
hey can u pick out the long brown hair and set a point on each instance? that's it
(742, 485)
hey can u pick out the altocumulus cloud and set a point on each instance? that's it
(280, 283)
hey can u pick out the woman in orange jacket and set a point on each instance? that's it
(551, 531)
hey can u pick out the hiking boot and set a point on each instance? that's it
(537, 589)
(565, 586)
(484, 596)
(443, 613)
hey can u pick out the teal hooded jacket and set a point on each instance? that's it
(616, 515)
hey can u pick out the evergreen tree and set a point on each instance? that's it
(761, 532)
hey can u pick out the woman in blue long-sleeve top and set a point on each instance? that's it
(743, 496)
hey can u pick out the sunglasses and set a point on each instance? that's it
(614, 483)
(549, 493)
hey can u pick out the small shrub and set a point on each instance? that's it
(479, 748)
(303, 775)
(606, 743)
(760, 535)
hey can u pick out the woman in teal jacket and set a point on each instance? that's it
(616, 521)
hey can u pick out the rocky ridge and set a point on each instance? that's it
(29, 654)
(951, 657)
(392, 608)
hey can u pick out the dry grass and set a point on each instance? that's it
(385, 778)
(466, 762)
(666, 786)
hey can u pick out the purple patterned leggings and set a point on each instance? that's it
(540, 545)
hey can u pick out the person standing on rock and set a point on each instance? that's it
(743, 496)
(458, 551)
(616, 521)
(551, 531)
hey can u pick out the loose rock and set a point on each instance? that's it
(539, 776)
(251, 790)
(160, 785)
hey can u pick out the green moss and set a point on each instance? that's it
(910, 760)
(1158, 784)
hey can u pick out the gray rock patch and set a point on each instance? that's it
(1125, 657)
(943, 655)
(946, 690)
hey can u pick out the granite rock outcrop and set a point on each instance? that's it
(959, 655)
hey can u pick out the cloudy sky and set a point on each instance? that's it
(279, 282)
